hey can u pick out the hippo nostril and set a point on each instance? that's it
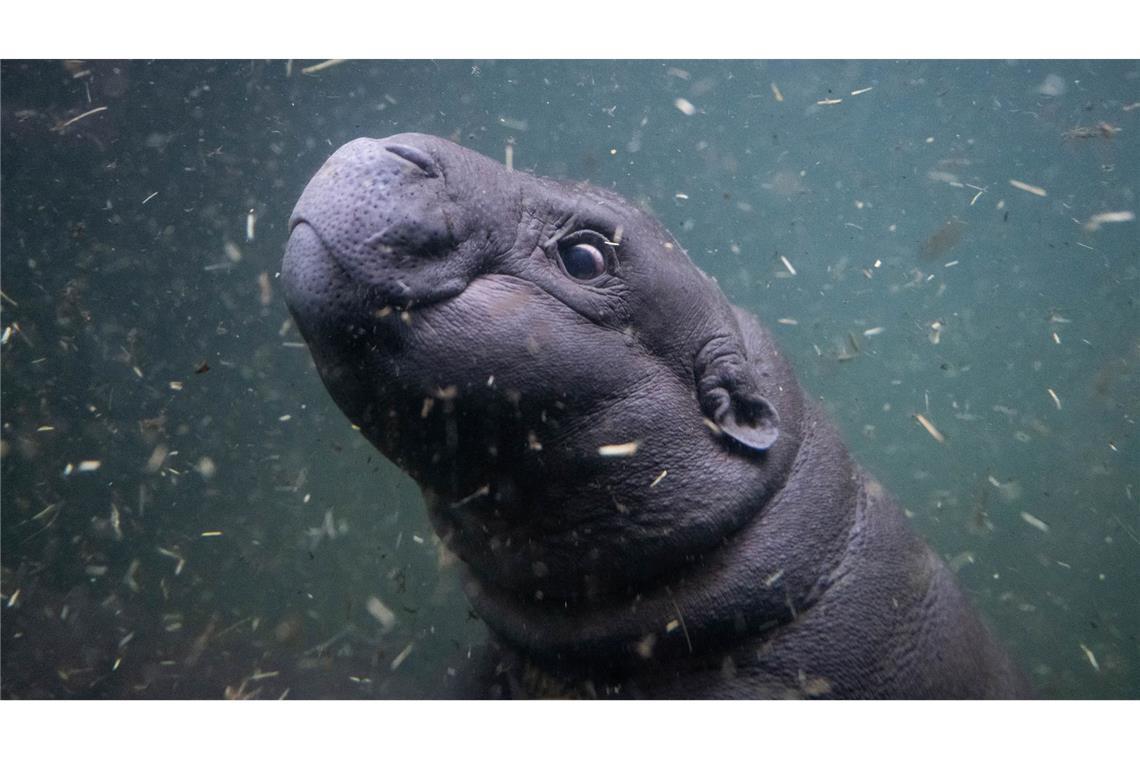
(415, 156)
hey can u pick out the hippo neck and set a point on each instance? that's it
(764, 575)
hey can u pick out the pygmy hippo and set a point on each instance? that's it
(644, 501)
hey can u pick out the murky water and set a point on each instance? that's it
(185, 512)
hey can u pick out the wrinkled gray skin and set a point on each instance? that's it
(738, 552)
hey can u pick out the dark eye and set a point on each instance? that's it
(582, 261)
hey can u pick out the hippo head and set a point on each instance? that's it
(577, 401)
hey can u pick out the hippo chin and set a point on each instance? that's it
(645, 502)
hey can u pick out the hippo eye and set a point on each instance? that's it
(584, 254)
(582, 261)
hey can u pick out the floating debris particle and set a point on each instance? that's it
(961, 560)
(787, 321)
(206, 467)
(210, 533)
(659, 478)
(519, 125)
(779, 96)
(1010, 492)
(681, 196)
(685, 106)
(384, 616)
(1090, 657)
(265, 294)
(829, 102)
(89, 465)
(773, 579)
(646, 645)
(233, 253)
(848, 351)
(130, 579)
(1103, 130)
(860, 92)
(1053, 395)
(175, 385)
(788, 265)
(929, 426)
(447, 393)
(250, 224)
(672, 625)
(1036, 522)
(937, 175)
(203, 367)
(116, 522)
(149, 197)
(944, 238)
(1108, 217)
(1053, 86)
(936, 328)
(477, 494)
(84, 115)
(157, 457)
(873, 331)
(174, 556)
(1034, 189)
(815, 686)
(403, 655)
(618, 449)
(322, 65)
(509, 157)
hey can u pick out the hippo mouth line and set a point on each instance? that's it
(394, 292)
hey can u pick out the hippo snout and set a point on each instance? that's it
(377, 217)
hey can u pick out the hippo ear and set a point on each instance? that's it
(727, 389)
(746, 417)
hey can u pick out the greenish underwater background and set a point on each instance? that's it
(237, 536)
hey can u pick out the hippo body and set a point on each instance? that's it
(644, 501)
